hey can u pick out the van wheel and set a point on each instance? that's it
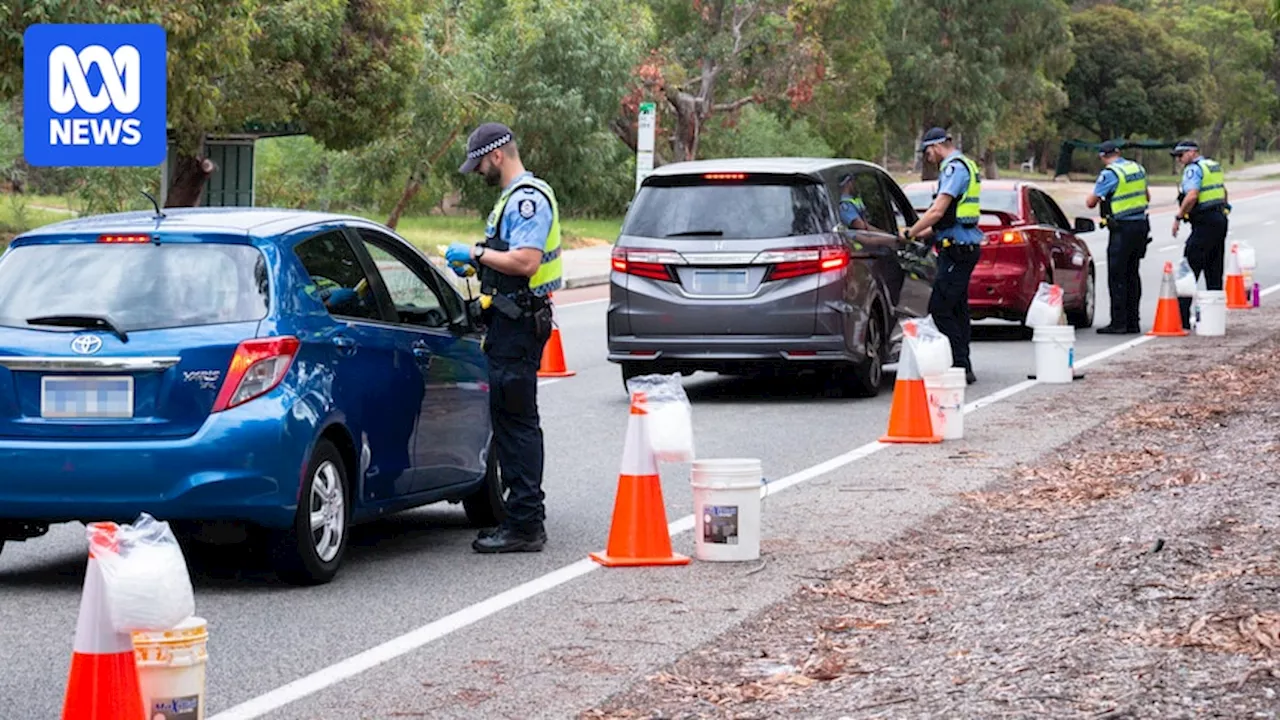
(486, 507)
(311, 551)
(863, 379)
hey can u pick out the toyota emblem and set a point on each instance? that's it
(86, 344)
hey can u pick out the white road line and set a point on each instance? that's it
(1167, 248)
(582, 302)
(415, 639)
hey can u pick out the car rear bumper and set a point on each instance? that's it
(231, 469)
(720, 352)
(993, 293)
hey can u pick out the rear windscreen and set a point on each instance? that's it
(744, 211)
(139, 287)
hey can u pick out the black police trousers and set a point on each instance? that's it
(949, 303)
(514, 350)
(1125, 250)
(1204, 253)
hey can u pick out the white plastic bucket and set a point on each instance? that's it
(171, 670)
(1211, 313)
(1055, 353)
(946, 402)
(726, 508)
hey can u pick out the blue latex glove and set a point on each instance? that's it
(337, 297)
(458, 254)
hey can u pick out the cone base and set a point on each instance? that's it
(1168, 333)
(557, 374)
(1244, 306)
(911, 439)
(103, 687)
(609, 561)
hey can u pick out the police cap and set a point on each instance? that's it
(1109, 147)
(1184, 146)
(484, 140)
(933, 137)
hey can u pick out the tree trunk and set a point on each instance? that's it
(991, 169)
(1215, 137)
(411, 188)
(189, 176)
(1250, 140)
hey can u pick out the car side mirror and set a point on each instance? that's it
(1084, 225)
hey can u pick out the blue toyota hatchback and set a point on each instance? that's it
(287, 372)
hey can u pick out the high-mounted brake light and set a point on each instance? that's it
(256, 369)
(724, 176)
(123, 239)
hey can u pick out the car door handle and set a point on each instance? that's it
(422, 352)
(345, 345)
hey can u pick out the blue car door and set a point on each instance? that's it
(452, 433)
(373, 386)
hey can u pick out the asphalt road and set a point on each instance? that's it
(409, 570)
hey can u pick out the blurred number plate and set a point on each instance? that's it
(720, 282)
(86, 397)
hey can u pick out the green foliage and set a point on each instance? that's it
(1132, 78)
(758, 132)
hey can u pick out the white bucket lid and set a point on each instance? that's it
(1054, 332)
(727, 472)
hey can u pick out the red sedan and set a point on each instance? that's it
(1028, 241)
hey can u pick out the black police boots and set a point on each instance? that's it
(506, 539)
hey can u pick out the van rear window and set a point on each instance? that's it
(743, 211)
(139, 287)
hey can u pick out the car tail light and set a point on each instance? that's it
(1006, 237)
(652, 264)
(122, 239)
(257, 368)
(803, 261)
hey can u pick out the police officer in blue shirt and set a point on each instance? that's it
(519, 266)
(1121, 189)
(852, 208)
(952, 220)
(1202, 200)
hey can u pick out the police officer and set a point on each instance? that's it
(519, 265)
(1202, 200)
(1122, 190)
(852, 209)
(952, 220)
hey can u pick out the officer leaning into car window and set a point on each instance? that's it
(953, 221)
(852, 209)
(1122, 190)
(1202, 200)
(519, 266)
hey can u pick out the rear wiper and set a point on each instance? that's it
(81, 321)
(687, 233)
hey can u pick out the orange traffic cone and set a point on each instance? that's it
(639, 535)
(909, 418)
(1168, 313)
(104, 681)
(553, 364)
(1236, 299)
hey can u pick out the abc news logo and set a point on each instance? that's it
(95, 95)
(69, 90)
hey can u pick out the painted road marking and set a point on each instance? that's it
(415, 639)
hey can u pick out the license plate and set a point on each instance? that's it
(86, 397)
(720, 282)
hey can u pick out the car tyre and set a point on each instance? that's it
(309, 553)
(863, 379)
(630, 370)
(1082, 317)
(486, 507)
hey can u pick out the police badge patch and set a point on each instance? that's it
(526, 209)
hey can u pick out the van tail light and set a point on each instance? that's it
(803, 261)
(256, 369)
(646, 263)
(1006, 238)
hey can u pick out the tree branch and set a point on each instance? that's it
(736, 104)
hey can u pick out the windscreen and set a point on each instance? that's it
(139, 287)
(736, 210)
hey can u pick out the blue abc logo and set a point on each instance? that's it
(94, 95)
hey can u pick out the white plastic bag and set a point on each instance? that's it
(144, 573)
(1185, 280)
(1248, 258)
(1046, 307)
(931, 349)
(669, 416)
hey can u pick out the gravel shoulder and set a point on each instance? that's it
(1132, 571)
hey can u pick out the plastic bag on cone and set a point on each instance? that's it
(1046, 307)
(144, 574)
(669, 415)
(931, 349)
